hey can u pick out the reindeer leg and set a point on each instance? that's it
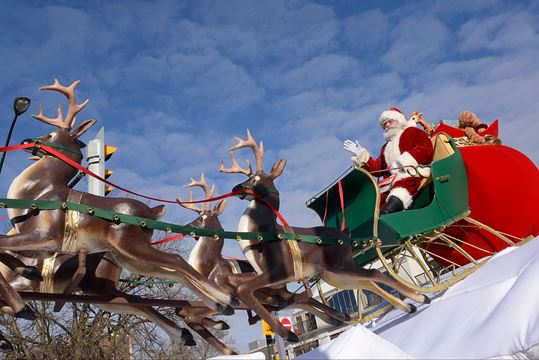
(352, 277)
(202, 316)
(396, 302)
(144, 259)
(98, 286)
(210, 338)
(246, 290)
(327, 311)
(379, 277)
(28, 241)
(333, 320)
(18, 267)
(14, 300)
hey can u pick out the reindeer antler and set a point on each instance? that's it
(74, 108)
(248, 143)
(207, 192)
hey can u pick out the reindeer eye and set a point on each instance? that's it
(52, 134)
(204, 217)
(257, 178)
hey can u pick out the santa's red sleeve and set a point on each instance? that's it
(416, 148)
(377, 164)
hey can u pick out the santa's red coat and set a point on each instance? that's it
(412, 147)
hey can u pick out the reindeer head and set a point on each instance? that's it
(259, 182)
(208, 218)
(63, 138)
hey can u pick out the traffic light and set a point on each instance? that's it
(109, 150)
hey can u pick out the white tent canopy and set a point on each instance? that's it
(492, 313)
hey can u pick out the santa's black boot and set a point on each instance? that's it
(393, 204)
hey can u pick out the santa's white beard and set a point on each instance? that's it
(390, 133)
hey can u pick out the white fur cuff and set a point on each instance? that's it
(404, 196)
(405, 159)
(361, 158)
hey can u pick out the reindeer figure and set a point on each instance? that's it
(102, 274)
(418, 118)
(42, 233)
(280, 262)
(206, 258)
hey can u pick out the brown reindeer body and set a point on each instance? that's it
(102, 274)
(280, 262)
(206, 258)
(40, 233)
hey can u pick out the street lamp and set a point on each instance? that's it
(20, 105)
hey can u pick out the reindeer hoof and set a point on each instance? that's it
(29, 272)
(221, 325)
(234, 301)
(187, 338)
(292, 337)
(413, 309)
(225, 309)
(26, 313)
(427, 299)
(191, 342)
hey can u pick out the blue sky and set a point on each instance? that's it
(174, 81)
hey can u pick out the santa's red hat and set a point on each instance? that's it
(392, 114)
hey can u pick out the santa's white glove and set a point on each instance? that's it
(395, 168)
(353, 147)
(361, 158)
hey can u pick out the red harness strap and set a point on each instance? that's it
(169, 239)
(275, 211)
(326, 209)
(88, 172)
(341, 198)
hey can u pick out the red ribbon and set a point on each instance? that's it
(169, 239)
(341, 198)
(260, 198)
(88, 172)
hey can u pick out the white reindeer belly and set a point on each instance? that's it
(245, 224)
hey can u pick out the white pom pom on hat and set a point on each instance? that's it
(392, 114)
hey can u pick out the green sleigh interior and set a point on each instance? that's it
(442, 201)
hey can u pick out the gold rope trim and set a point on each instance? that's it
(235, 266)
(69, 245)
(47, 272)
(296, 254)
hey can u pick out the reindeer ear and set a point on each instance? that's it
(83, 127)
(277, 169)
(220, 207)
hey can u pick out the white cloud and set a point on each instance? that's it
(511, 30)
(417, 42)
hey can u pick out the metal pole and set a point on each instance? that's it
(7, 141)
(280, 347)
(269, 346)
(20, 105)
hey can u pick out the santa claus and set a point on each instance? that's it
(403, 162)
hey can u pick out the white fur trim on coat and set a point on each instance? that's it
(404, 196)
(361, 158)
(392, 115)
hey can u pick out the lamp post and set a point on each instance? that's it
(20, 105)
